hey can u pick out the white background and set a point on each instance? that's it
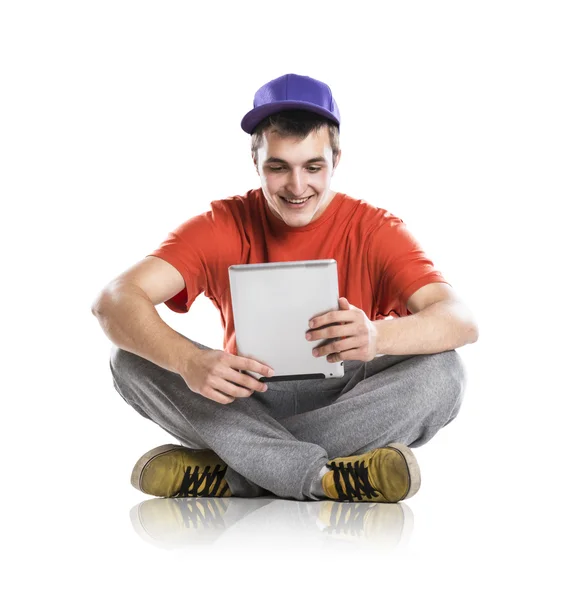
(120, 120)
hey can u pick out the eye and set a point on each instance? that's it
(314, 169)
(275, 169)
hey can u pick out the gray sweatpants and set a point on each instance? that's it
(277, 441)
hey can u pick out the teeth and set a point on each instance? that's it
(297, 201)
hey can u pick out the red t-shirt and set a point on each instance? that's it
(380, 264)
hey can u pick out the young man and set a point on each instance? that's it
(344, 439)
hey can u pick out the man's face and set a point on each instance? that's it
(295, 169)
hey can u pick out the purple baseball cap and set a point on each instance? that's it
(290, 92)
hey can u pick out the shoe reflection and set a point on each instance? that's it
(377, 523)
(181, 522)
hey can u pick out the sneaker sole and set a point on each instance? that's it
(413, 468)
(135, 477)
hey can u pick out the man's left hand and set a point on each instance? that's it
(356, 331)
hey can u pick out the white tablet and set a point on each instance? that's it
(272, 305)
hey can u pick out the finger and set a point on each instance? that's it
(257, 367)
(222, 398)
(242, 363)
(348, 343)
(344, 316)
(249, 382)
(246, 381)
(351, 354)
(334, 331)
(217, 396)
(236, 389)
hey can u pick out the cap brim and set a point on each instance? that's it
(255, 116)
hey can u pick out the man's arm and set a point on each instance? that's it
(439, 321)
(126, 312)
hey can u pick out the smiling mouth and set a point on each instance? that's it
(296, 201)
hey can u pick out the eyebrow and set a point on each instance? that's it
(284, 162)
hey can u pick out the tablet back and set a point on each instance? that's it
(272, 304)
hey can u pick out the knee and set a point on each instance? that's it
(449, 378)
(453, 379)
(450, 370)
(122, 362)
(116, 359)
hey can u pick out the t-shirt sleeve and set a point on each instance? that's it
(187, 248)
(398, 267)
(176, 252)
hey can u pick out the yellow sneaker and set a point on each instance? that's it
(173, 471)
(388, 474)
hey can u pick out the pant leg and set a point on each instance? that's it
(261, 454)
(405, 399)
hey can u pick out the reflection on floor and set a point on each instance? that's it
(180, 522)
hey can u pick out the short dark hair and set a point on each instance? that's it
(295, 123)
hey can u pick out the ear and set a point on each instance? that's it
(255, 162)
(336, 161)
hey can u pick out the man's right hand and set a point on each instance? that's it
(215, 374)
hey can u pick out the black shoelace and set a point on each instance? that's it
(192, 481)
(352, 481)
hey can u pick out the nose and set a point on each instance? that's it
(296, 184)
